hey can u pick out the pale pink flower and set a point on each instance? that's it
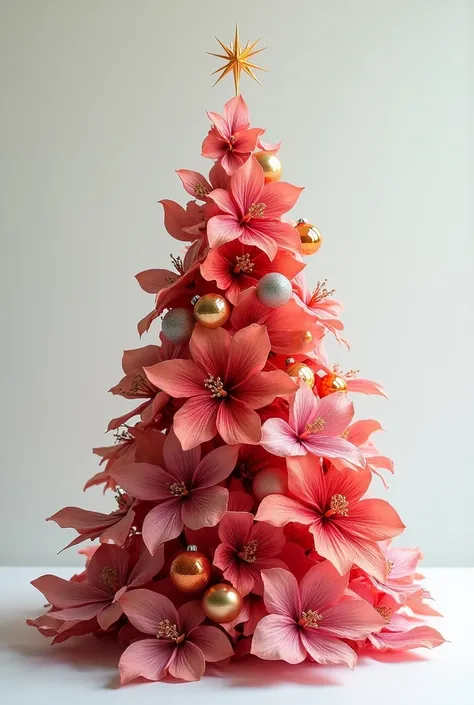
(401, 573)
(230, 139)
(223, 384)
(320, 304)
(186, 488)
(345, 527)
(110, 572)
(251, 212)
(311, 619)
(314, 426)
(179, 646)
(246, 549)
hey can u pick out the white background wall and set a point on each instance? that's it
(103, 99)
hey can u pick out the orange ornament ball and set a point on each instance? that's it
(310, 237)
(329, 384)
(191, 570)
(212, 310)
(270, 164)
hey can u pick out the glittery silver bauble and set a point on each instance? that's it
(274, 290)
(178, 325)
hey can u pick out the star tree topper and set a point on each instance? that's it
(237, 60)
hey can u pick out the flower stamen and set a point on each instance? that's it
(200, 191)
(389, 566)
(166, 630)
(320, 293)
(315, 426)
(216, 386)
(256, 210)
(178, 489)
(310, 618)
(385, 612)
(243, 264)
(338, 505)
(249, 552)
(109, 577)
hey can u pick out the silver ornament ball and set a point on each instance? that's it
(274, 290)
(178, 325)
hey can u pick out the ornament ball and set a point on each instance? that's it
(310, 237)
(330, 383)
(222, 603)
(212, 310)
(178, 325)
(270, 164)
(274, 290)
(190, 571)
(299, 369)
(270, 481)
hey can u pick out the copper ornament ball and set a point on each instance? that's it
(222, 603)
(270, 164)
(329, 384)
(212, 310)
(310, 237)
(191, 570)
(304, 372)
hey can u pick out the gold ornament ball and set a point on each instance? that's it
(190, 571)
(310, 237)
(270, 481)
(222, 603)
(270, 164)
(212, 310)
(329, 384)
(304, 372)
(307, 337)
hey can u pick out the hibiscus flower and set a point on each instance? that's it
(319, 304)
(245, 549)
(345, 528)
(314, 426)
(251, 212)
(179, 646)
(236, 267)
(312, 618)
(230, 140)
(198, 186)
(223, 384)
(359, 434)
(110, 572)
(187, 489)
(401, 573)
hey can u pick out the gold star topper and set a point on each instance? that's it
(237, 60)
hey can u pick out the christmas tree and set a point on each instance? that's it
(243, 524)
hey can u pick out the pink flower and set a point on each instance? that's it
(319, 304)
(401, 573)
(251, 212)
(345, 528)
(187, 489)
(199, 187)
(359, 434)
(236, 267)
(110, 572)
(314, 426)
(183, 223)
(245, 549)
(179, 646)
(230, 140)
(223, 384)
(290, 329)
(60, 630)
(311, 619)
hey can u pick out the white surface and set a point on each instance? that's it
(103, 99)
(31, 671)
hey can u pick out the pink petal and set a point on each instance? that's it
(223, 201)
(237, 423)
(360, 431)
(178, 378)
(279, 197)
(277, 638)
(162, 524)
(281, 594)
(191, 615)
(194, 183)
(261, 234)
(374, 520)
(109, 615)
(280, 439)
(81, 613)
(146, 567)
(179, 463)
(321, 586)
(262, 388)
(337, 411)
(353, 485)
(366, 386)
(247, 184)
(235, 529)
(246, 140)
(328, 447)
(216, 268)
(143, 480)
(176, 219)
(154, 280)
(325, 649)
(188, 663)
(215, 467)
(418, 637)
(205, 507)
(146, 609)
(303, 408)
(190, 433)
(236, 114)
(351, 619)
(270, 540)
(222, 229)
(231, 161)
(213, 643)
(248, 353)
(214, 146)
(148, 658)
(210, 348)
(64, 593)
(306, 480)
(82, 520)
(279, 511)
(108, 557)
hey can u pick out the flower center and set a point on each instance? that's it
(320, 293)
(385, 612)
(257, 210)
(121, 498)
(243, 264)
(200, 191)
(249, 551)
(178, 489)
(338, 505)
(139, 386)
(389, 566)
(216, 386)
(310, 618)
(109, 577)
(166, 630)
(315, 426)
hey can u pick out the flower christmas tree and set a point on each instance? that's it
(243, 523)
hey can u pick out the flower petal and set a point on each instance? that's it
(279, 511)
(112, 559)
(280, 439)
(191, 615)
(143, 480)
(213, 643)
(194, 183)
(374, 520)
(215, 467)
(235, 529)
(321, 586)
(277, 638)
(189, 432)
(178, 378)
(237, 423)
(246, 185)
(162, 524)
(270, 540)
(205, 507)
(247, 355)
(279, 197)
(222, 229)
(210, 349)
(326, 649)
(303, 409)
(65, 593)
(148, 658)
(329, 447)
(146, 609)
(179, 463)
(262, 388)
(281, 594)
(351, 619)
(188, 663)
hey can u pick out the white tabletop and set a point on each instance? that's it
(84, 672)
